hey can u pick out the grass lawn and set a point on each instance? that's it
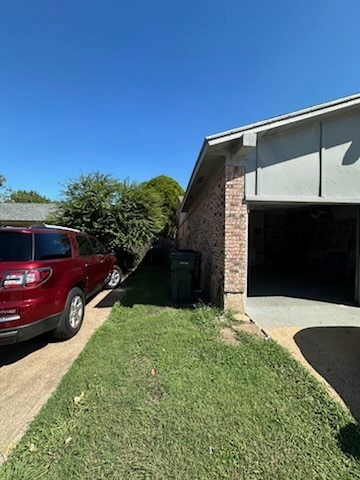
(157, 394)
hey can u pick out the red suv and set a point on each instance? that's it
(46, 275)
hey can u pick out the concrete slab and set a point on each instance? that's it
(31, 371)
(282, 311)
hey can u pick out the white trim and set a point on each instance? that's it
(301, 199)
(60, 227)
(198, 163)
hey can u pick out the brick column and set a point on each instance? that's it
(235, 268)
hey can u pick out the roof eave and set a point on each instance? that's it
(198, 163)
(287, 118)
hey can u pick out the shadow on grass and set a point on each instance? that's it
(148, 285)
(349, 440)
(334, 352)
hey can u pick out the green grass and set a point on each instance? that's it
(165, 398)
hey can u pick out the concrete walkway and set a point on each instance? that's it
(283, 311)
(31, 371)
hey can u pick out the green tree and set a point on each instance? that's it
(4, 190)
(169, 191)
(123, 215)
(19, 196)
(27, 196)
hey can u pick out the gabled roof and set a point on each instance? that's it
(216, 146)
(25, 212)
(287, 118)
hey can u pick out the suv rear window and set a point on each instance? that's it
(15, 246)
(51, 246)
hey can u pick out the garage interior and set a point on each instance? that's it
(303, 251)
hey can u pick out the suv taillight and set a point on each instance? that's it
(26, 278)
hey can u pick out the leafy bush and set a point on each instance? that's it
(125, 216)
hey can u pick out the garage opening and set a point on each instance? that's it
(303, 251)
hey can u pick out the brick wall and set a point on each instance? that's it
(203, 230)
(217, 227)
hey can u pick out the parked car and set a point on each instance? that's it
(46, 275)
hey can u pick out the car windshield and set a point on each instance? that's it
(15, 246)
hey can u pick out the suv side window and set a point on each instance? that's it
(51, 246)
(85, 249)
(97, 246)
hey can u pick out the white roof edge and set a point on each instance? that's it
(194, 172)
(289, 117)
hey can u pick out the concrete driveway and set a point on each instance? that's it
(324, 337)
(31, 371)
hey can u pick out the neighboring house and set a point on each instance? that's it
(24, 214)
(285, 193)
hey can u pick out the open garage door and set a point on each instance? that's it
(304, 252)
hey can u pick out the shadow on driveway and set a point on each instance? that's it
(334, 352)
(12, 353)
(111, 298)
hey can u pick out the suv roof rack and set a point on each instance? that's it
(57, 227)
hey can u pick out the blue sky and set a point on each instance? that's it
(132, 88)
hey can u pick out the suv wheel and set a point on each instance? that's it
(115, 277)
(72, 316)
